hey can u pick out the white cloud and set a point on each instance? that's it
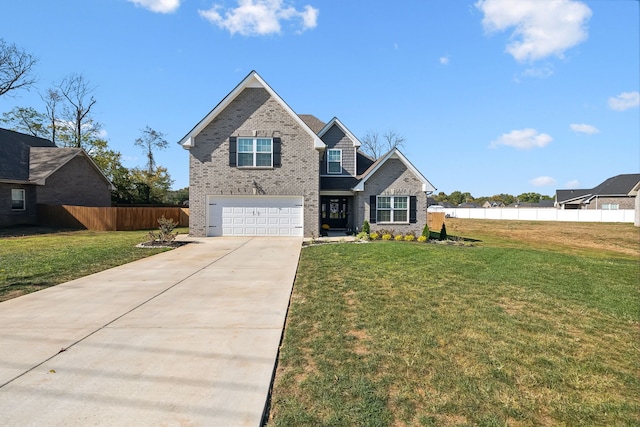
(573, 184)
(624, 101)
(543, 181)
(444, 60)
(260, 17)
(584, 128)
(540, 28)
(523, 139)
(158, 6)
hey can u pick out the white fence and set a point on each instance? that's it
(544, 214)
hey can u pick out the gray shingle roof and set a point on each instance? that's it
(314, 123)
(46, 160)
(14, 154)
(619, 185)
(567, 195)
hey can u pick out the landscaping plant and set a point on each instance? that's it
(366, 228)
(443, 232)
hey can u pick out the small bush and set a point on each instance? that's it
(422, 239)
(409, 237)
(374, 236)
(425, 231)
(366, 228)
(387, 236)
(398, 238)
(362, 236)
(443, 232)
(165, 232)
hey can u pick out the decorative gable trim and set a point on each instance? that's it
(253, 80)
(427, 187)
(337, 122)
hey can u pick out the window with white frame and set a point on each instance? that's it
(255, 152)
(18, 202)
(392, 209)
(334, 161)
(610, 206)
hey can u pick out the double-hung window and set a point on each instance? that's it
(18, 202)
(334, 161)
(393, 209)
(255, 152)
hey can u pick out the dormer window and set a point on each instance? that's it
(334, 161)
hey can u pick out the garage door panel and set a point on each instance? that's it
(255, 216)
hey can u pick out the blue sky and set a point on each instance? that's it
(492, 96)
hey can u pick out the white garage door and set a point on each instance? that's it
(255, 216)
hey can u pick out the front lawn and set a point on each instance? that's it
(506, 332)
(31, 263)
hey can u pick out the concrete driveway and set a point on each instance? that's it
(187, 337)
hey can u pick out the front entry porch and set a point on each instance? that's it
(336, 212)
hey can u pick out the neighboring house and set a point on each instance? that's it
(614, 193)
(534, 205)
(493, 204)
(258, 168)
(468, 205)
(33, 170)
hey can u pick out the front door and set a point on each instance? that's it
(334, 211)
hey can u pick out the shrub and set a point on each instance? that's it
(443, 232)
(362, 236)
(409, 237)
(366, 228)
(325, 226)
(398, 238)
(165, 232)
(422, 239)
(374, 236)
(387, 236)
(425, 231)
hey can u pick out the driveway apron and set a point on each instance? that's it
(186, 337)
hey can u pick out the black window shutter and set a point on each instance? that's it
(277, 152)
(232, 150)
(413, 207)
(372, 209)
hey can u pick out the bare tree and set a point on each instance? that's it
(150, 141)
(26, 120)
(51, 100)
(15, 68)
(375, 145)
(81, 129)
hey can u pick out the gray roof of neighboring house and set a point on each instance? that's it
(620, 185)
(14, 154)
(46, 160)
(563, 196)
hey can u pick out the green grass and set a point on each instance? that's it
(394, 333)
(31, 263)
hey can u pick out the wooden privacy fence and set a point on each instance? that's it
(109, 218)
(435, 220)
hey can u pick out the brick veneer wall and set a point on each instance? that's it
(253, 111)
(622, 202)
(393, 178)
(76, 183)
(8, 216)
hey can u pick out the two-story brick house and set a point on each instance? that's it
(258, 168)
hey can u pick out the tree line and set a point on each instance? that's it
(66, 117)
(458, 197)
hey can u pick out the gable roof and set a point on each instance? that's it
(314, 123)
(336, 122)
(394, 153)
(565, 196)
(14, 154)
(45, 161)
(253, 80)
(619, 185)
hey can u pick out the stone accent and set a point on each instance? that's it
(392, 178)
(76, 183)
(253, 113)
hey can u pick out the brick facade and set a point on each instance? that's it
(76, 183)
(253, 112)
(393, 178)
(627, 202)
(8, 216)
